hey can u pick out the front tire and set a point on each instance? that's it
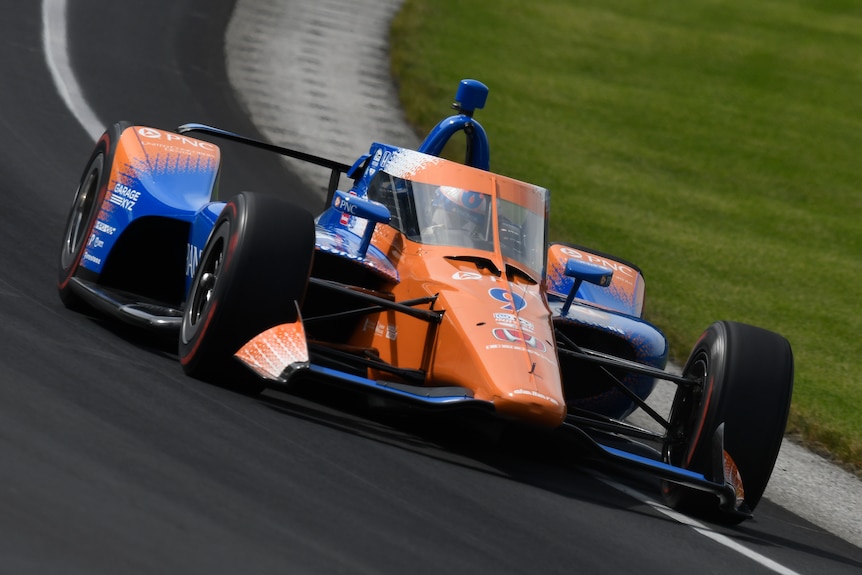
(92, 189)
(252, 275)
(746, 376)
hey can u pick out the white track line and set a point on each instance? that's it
(55, 44)
(699, 527)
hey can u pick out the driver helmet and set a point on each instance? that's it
(462, 206)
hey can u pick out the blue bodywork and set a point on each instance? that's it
(163, 185)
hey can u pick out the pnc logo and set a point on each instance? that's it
(466, 276)
(149, 133)
(345, 206)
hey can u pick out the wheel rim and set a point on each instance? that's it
(82, 208)
(203, 288)
(685, 413)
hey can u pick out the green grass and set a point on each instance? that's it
(716, 143)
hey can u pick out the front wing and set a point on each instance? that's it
(281, 354)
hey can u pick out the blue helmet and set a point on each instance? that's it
(472, 206)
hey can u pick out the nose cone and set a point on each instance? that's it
(504, 353)
(531, 406)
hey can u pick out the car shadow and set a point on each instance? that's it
(537, 458)
(477, 441)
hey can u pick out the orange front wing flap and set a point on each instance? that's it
(277, 349)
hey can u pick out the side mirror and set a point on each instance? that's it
(584, 272)
(374, 212)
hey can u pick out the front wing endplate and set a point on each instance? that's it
(276, 352)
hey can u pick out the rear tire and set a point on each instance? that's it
(252, 274)
(747, 381)
(92, 189)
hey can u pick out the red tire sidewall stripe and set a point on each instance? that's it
(184, 360)
(232, 242)
(100, 198)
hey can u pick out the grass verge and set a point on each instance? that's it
(718, 145)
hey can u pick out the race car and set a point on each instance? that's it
(426, 281)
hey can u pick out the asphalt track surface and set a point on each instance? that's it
(112, 461)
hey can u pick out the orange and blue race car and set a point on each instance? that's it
(426, 281)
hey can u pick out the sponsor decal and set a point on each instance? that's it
(380, 329)
(514, 335)
(375, 162)
(94, 259)
(384, 158)
(95, 242)
(190, 142)
(124, 196)
(512, 301)
(345, 205)
(193, 258)
(104, 228)
(593, 259)
(463, 276)
(511, 320)
(149, 133)
(506, 318)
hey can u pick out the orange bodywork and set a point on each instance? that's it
(144, 150)
(496, 338)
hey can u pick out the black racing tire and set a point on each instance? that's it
(747, 382)
(92, 189)
(252, 275)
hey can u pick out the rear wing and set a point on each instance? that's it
(625, 294)
(336, 168)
